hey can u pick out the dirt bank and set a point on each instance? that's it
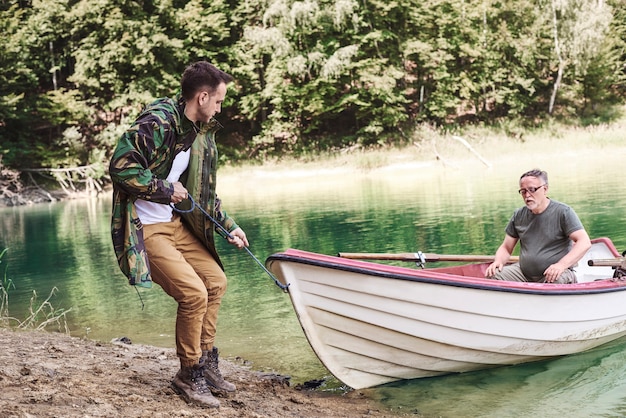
(54, 375)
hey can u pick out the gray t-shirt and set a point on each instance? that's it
(544, 238)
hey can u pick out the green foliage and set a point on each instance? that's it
(124, 51)
(63, 107)
(311, 75)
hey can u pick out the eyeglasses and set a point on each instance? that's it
(530, 190)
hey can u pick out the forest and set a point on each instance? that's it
(311, 76)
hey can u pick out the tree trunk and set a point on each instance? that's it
(557, 50)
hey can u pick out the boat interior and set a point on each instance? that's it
(601, 249)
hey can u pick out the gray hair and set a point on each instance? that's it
(536, 173)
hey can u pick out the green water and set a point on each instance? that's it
(427, 207)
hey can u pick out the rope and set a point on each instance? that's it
(228, 235)
(140, 298)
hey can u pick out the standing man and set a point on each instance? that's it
(551, 237)
(168, 153)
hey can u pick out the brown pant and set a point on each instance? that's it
(186, 271)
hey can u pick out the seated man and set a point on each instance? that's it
(552, 238)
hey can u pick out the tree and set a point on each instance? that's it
(311, 75)
(580, 30)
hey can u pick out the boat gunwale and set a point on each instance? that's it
(607, 285)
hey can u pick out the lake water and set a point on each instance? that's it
(413, 207)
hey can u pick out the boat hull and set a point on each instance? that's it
(371, 324)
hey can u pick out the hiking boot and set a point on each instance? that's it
(192, 386)
(212, 373)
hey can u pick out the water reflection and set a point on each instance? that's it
(583, 385)
(426, 208)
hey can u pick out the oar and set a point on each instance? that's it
(421, 257)
(606, 262)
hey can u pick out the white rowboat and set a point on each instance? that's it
(371, 323)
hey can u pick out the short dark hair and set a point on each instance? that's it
(540, 174)
(201, 75)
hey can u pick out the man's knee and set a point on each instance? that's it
(217, 286)
(194, 297)
(510, 273)
(568, 277)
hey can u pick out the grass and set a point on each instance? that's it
(4, 292)
(42, 315)
(429, 144)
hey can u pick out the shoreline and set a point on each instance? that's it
(480, 152)
(47, 374)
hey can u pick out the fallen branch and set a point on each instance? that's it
(439, 157)
(70, 178)
(469, 147)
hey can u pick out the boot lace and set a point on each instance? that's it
(197, 377)
(213, 364)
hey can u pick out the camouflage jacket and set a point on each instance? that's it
(142, 160)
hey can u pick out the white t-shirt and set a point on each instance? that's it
(151, 212)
